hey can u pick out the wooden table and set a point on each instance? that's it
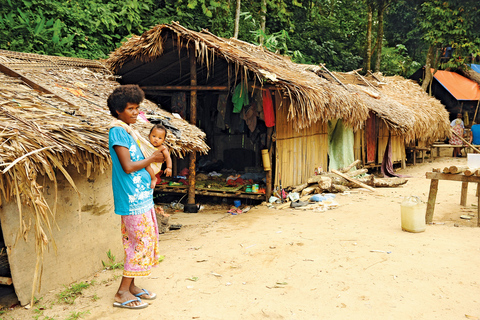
(432, 196)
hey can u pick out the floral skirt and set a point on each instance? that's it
(140, 242)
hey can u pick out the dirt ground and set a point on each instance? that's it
(351, 262)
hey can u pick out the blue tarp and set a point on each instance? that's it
(475, 67)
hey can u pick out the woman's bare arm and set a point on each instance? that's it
(130, 166)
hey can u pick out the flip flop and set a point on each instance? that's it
(124, 304)
(145, 292)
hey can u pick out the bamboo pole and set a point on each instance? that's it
(475, 116)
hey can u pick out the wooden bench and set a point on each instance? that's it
(442, 146)
(466, 148)
(417, 150)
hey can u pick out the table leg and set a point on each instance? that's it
(463, 198)
(414, 157)
(432, 197)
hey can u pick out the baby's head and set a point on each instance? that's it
(157, 135)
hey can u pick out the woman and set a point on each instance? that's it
(133, 198)
(455, 140)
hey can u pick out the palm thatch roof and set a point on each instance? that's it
(53, 113)
(401, 103)
(159, 57)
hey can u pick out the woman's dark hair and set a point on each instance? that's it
(160, 127)
(118, 99)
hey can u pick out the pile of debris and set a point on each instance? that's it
(335, 181)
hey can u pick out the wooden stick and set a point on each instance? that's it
(457, 169)
(332, 75)
(446, 170)
(347, 168)
(470, 172)
(476, 110)
(468, 143)
(363, 185)
(356, 172)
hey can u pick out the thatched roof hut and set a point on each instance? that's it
(401, 103)
(313, 99)
(53, 114)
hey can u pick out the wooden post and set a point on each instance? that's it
(463, 197)
(432, 197)
(193, 121)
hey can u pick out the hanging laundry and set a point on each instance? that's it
(240, 97)
(179, 104)
(251, 117)
(268, 111)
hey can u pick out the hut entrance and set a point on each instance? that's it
(7, 291)
(236, 134)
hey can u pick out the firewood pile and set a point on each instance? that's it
(339, 181)
(465, 170)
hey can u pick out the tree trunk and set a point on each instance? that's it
(428, 66)
(264, 19)
(381, 10)
(237, 19)
(368, 57)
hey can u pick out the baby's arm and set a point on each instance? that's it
(152, 176)
(168, 160)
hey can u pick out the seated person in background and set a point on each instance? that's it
(459, 116)
(455, 140)
(475, 135)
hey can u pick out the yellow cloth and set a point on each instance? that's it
(144, 144)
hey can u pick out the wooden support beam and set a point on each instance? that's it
(184, 88)
(193, 121)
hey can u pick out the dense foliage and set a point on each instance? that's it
(332, 32)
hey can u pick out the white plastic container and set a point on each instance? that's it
(473, 160)
(413, 214)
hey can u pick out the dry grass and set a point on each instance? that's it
(42, 133)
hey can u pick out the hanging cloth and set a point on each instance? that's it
(179, 104)
(371, 138)
(251, 117)
(240, 97)
(145, 145)
(268, 111)
(340, 145)
(387, 165)
(221, 108)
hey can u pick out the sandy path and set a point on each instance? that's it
(295, 264)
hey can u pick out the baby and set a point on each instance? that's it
(157, 136)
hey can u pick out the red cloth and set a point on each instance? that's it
(371, 138)
(268, 108)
